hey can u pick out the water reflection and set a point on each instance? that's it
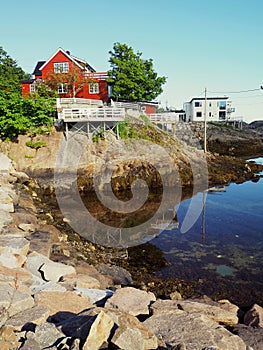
(225, 245)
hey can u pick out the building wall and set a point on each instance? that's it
(25, 89)
(73, 68)
(214, 112)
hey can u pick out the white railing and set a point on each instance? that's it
(71, 102)
(92, 114)
(164, 117)
(97, 75)
(127, 105)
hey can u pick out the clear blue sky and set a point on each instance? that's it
(215, 44)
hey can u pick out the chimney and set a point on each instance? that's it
(68, 52)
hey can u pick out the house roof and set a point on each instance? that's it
(37, 71)
(209, 98)
(28, 81)
(80, 63)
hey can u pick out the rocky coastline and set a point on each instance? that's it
(51, 301)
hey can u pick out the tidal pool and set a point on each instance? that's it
(223, 249)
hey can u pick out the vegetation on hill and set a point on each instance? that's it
(17, 114)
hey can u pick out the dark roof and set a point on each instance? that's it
(209, 98)
(28, 81)
(36, 70)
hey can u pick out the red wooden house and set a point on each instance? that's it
(88, 83)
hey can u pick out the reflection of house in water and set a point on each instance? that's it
(166, 223)
(214, 189)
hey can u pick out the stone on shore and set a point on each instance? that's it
(13, 301)
(40, 241)
(194, 330)
(252, 336)
(13, 250)
(216, 313)
(131, 333)
(26, 318)
(15, 276)
(118, 274)
(99, 332)
(254, 316)
(62, 302)
(95, 296)
(131, 300)
(49, 270)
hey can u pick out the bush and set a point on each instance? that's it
(18, 114)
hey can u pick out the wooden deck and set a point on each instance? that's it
(104, 114)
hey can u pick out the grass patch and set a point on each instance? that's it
(35, 145)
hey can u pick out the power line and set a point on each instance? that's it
(234, 92)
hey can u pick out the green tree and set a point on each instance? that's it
(133, 78)
(73, 81)
(10, 74)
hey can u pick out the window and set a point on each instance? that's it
(62, 88)
(94, 88)
(222, 115)
(198, 114)
(221, 104)
(210, 104)
(210, 114)
(198, 104)
(32, 88)
(61, 67)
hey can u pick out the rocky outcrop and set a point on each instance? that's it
(46, 304)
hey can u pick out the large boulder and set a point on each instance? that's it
(194, 331)
(62, 302)
(131, 300)
(215, 312)
(49, 270)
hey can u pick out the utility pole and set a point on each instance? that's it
(205, 109)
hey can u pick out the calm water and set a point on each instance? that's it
(223, 250)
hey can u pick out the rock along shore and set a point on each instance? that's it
(47, 304)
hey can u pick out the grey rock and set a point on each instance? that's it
(99, 331)
(194, 330)
(40, 241)
(13, 250)
(47, 286)
(95, 296)
(12, 301)
(131, 333)
(119, 274)
(5, 218)
(254, 316)
(47, 335)
(49, 270)
(30, 344)
(131, 300)
(35, 315)
(215, 312)
(252, 336)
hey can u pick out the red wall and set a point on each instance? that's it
(25, 90)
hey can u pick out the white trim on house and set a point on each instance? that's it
(67, 55)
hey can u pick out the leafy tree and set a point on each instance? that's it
(133, 78)
(73, 81)
(10, 74)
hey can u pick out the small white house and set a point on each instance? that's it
(215, 108)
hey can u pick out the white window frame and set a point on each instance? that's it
(94, 88)
(61, 67)
(32, 88)
(62, 88)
